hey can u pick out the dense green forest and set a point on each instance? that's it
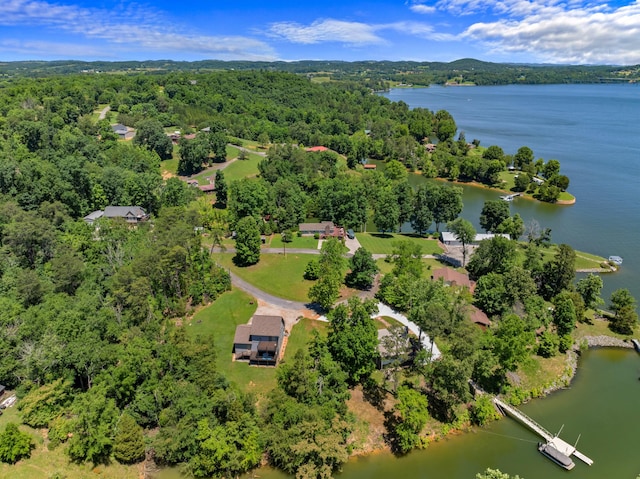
(91, 318)
(375, 74)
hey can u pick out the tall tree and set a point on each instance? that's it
(465, 233)
(353, 339)
(221, 190)
(558, 273)
(363, 270)
(387, 212)
(247, 241)
(129, 441)
(589, 288)
(422, 215)
(494, 212)
(447, 204)
(151, 135)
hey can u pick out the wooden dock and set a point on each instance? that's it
(562, 446)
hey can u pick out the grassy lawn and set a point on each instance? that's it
(275, 274)
(600, 327)
(429, 265)
(306, 242)
(379, 243)
(302, 333)
(242, 168)
(44, 463)
(169, 165)
(583, 260)
(537, 372)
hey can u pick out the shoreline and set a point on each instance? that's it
(562, 382)
(475, 184)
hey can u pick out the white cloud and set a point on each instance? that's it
(328, 30)
(133, 28)
(422, 8)
(351, 33)
(554, 32)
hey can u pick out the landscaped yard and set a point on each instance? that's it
(275, 274)
(302, 333)
(382, 243)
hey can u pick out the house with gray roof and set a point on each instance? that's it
(131, 214)
(260, 341)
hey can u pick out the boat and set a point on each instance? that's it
(636, 344)
(562, 460)
(617, 260)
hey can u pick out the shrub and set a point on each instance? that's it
(483, 411)
(312, 271)
(14, 444)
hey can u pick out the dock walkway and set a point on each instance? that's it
(562, 446)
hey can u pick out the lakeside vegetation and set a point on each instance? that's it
(117, 339)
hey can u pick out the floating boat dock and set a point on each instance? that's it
(509, 197)
(557, 443)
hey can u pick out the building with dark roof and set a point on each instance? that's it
(260, 341)
(131, 214)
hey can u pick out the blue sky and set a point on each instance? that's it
(541, 31)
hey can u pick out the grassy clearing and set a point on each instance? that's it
(170, 166)
(537, 373)
(43, 463)
(382, 243)
(599, 327)
(275, 274)
(583, 260)
(306, 242)
(429, 265)
(302, 333)
(243, 168)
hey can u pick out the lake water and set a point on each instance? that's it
(593, 130)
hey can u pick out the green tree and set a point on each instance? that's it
(490, 294)
(353, 339)
(511, 342)
(221, 190)
(248, 197)
(483, 410)
(493, 213)
(327, 289)
(523, 157)
(41, 405)
(625, 317)
(497, 255)
(558, 274)
(363, 270)
(522, 181)
(128, 445)
(493, 152)
(247, 241)
(495, 474)
(151, 135)
(464, 232)
(14, 444)
(411, 415)
(589, 288)
(193, 153)
(422, 216)
(387, 211)
(513, 226)
(446, 205)
(551, 168)
(564, 314)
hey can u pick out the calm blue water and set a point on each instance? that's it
(593, 130)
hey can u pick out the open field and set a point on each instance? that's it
(242, 168)
(274, 274)
(382, 243)
(429, 264)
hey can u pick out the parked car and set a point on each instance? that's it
(350, 234)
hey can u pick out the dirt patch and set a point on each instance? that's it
(369, 434)
(167, 174)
